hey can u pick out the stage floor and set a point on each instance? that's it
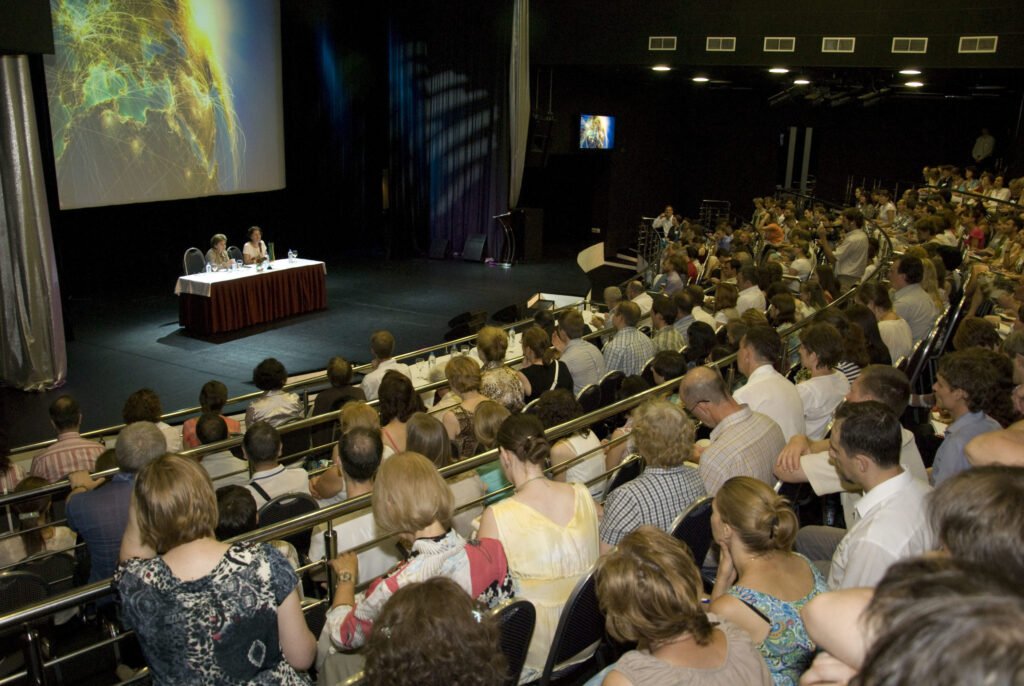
(121, 344)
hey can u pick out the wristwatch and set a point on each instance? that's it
(345, 577)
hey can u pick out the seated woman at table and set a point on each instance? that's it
(217, 255)
(255, 250)
(498, 382)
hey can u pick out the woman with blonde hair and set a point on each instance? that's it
(548, 530)
(204, 611)
(497, 381)
(412, 501)
(486, 423)
(650, 592)
(464, 377)
(427, 436)
(762, 584)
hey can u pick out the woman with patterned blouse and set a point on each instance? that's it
(498, 382)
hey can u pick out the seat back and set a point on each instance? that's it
(693, 527)
(194, 261)
(56, 569)
(285, 507)
(580, 626)
(589, 398)
(609, 385)
(517, 619)
(293, 442)
(627, 471)
(235, 253)
(18, 589)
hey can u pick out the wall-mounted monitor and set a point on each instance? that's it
(597, 132)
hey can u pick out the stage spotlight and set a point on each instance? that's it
(801, 82)
(661, 67)
(914, 84)
(779, 70)
(700, 79)
(910, 72)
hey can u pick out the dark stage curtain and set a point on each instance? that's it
(449, 150)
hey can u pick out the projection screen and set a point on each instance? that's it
(165, 99)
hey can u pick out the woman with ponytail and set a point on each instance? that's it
(541, 371)
(762, 584)
(548, 529)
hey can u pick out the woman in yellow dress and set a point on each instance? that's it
(548, 529)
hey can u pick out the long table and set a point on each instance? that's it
(218, 302)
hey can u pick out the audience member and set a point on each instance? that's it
(212, 398)
(975, 332)
(71, 452)
(767, 391)
(236, 512)
(487, 420)
(851, 255)
(275, 406)
(361, 451)
(701, 340)
(270, 478)
(629, 351)
(865, 326)
(412, 501)
(382, 345)
(204, 610)
(966, 386)
(726, 297)
(854, 356)
(464, 376)
(909, 300)
(427, 436)
(32, 519)
(684, 313)
(339, 374)
(696, 294)
(650, 592)
(548, 530)
(663, 316)
(743, 442)
(398, 402)
(100, 517)
(497, 381)
(541, 370)
(639, 296)
(144, 406)
(558, 407)
(892, 328)
(821, 349)
(431, 633)
(890, 521)
(761, 583)
(663, 436)
(223, 468)
(582, 358)
(750, 296)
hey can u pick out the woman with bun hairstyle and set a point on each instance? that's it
(548, 530)
(762, 584)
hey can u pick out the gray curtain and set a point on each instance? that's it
(519, 97)
(32, 353)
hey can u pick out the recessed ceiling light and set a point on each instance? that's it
(661, 67)
(910, 72)
(779, 70)
(700, 79)
(913, 84)
(801, 82)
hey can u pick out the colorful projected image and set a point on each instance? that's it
(164, 99)
(597, 132)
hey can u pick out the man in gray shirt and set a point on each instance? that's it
(584, 360)
(909, 300)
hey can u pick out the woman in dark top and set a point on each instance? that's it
(541, 371)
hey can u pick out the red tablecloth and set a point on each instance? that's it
(254, 298)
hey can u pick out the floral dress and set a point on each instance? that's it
(787, 648)
(502, 385)
(221, 628)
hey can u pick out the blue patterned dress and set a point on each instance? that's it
(786, 649)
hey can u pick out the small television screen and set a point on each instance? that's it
(597, 132)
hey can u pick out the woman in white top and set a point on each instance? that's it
(726, 296)
(255, 250)
(821, 349)
(29, 515)
(558, 407)
(893, 329)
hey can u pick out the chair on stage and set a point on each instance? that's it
(194, 261)
(235, 253)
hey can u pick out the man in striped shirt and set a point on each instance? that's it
(71, 452)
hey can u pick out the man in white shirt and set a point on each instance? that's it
(382, 345)
(666, 222)
(807, 461)
(851, 255)
(750, 297)
(890, 522)
(635, 292)
(270, 478)
(360, 451)
(582, 358)
(910, 301)
(696, 294)
(767, 391)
